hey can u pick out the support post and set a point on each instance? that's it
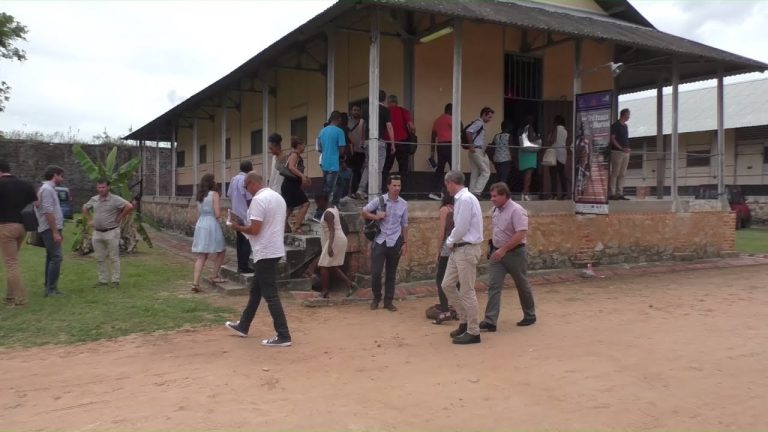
(223, 114)
(330, 72)
(265, 131)
(173, 160)
(195, 157)
(576, 91)
(721, 192)
(157, 167)
(374, 174)
(661, 155)
(458, 41)
(675, 138)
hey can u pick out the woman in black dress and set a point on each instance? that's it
(292, 191)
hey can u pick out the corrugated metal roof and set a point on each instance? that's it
(558, 19)
(525, 14)
(744, 105)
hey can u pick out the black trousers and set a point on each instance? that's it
(503, 169)
(443, 158)
(243, 253)
(403, 158)
(356, 162)
(385, 258)
(264, 285)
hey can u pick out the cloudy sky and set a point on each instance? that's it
(95, 66)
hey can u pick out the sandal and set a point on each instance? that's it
(196, 288)
(218, 280)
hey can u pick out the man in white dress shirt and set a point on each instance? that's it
(465, 243)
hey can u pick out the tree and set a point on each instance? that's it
(118, 178)
(11, 32)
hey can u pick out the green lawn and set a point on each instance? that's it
(153, 295)
(752, 240)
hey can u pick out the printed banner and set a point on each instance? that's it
(592, 152)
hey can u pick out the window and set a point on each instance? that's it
(523, 77)
(202, 156)
(228, 148)
(299, 129)
(256, 142)
(180, 159)
(697, 158)
(638, 147)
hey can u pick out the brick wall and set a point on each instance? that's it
(28, 160)
(555, 240)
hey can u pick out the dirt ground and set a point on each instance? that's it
(676, 351)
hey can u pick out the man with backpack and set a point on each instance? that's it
(391, 212)
(473, 137)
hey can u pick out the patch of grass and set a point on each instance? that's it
(152, 296)
(752, 240)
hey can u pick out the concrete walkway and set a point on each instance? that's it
(181, 245)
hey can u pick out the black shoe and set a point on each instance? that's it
(459, 331)
(487, 326)
(622, 197)
(526, 322)
(466, 339)
(390, 307)
(247, 270)
(374, 305)
(56, 293)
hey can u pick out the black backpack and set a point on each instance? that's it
(465, 143)
(371, 228)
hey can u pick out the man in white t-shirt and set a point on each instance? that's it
(265, 229)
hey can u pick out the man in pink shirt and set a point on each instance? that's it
(507, 255)
(441, 148)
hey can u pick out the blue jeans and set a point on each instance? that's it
(53, 258)
(330, 183)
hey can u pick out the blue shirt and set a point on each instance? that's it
(238, 196)
(393, 223)
(331, 139)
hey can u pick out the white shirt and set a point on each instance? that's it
(275, 179)
(559, 146)
(467, 219)
(268, 207)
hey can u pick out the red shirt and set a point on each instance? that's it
(442, 128)
(399, 117)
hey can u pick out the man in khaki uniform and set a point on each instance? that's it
(109, 211)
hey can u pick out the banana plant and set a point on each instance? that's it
(118, 178)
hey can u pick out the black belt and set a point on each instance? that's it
(105, 230)
(462, 244)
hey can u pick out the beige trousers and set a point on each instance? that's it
(11, 238)
(619, 162)
(462, 268)
(106, 248)
(480, 171)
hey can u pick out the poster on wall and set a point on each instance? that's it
(592, 152)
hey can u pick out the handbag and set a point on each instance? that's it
(549, 158)
(35, 239)
(283, 170)
(371, 228)
(29, 218)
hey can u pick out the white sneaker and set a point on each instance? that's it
(234, 326)
(435, 197)
(347, 199)
(526, 197)
(276, 341)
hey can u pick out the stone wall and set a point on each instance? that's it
(758, 206)
(28, 160)
(557, 238)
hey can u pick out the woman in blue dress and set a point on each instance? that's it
(208, 239)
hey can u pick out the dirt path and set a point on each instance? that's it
(677, 351)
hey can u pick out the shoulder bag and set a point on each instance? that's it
(372, 228)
